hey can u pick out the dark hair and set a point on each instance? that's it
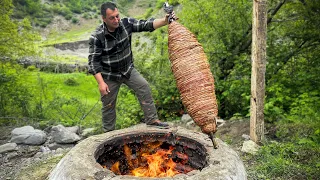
(107, 5)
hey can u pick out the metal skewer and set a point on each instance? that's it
(213, 139)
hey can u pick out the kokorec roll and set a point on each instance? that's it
(194, 79)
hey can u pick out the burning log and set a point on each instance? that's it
(152, 159)
(194, 79)
(182, 168)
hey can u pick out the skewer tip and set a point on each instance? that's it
(214, 141)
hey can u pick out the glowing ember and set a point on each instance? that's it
(153, 161)
(115, 168)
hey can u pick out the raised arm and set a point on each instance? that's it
(157, 23)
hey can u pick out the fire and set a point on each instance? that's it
(158, 165)
(115, 168)
(153, 161)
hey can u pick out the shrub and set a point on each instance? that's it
(64, 11)
(44, 22)
(75, 20)
(128, 109)
(296, 156)
(86, 16)
(288, 161)
(32, 68)
(15, 95)
(71, 82)
(56, 8)
(68, 16)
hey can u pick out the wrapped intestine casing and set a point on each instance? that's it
(194, 79)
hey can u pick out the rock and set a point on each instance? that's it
(249, 147)
(180, 177)
(47, 129)
(186, 118)
(44, 149)
(245, 137)
(187, 121)
(191, 173)
(62, 135)
(22, 130)
(28, 135)
(8, 147)
(38, 155)
(55, 146)
(220, 122)
(59, 150)
(12, 155)
(88, 131)
(74, 129)
(190, 123)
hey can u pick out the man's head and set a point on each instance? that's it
(110, 15)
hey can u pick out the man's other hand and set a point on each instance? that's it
(104, 89)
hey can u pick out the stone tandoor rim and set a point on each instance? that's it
(80, 161)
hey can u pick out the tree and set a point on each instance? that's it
(16, 37)
(16, 40)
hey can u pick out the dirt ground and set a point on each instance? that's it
(231, 132)
(27, 162)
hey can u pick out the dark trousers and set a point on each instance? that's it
(143, 92)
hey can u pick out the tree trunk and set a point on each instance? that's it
(259, 33)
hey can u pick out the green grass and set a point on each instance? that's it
(76, 33)
(295, 154)
(74, 99)
(62, 103)
(285, 160)
(69, 36)
(67, 59)
(87, 89)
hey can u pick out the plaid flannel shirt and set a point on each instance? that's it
(110, 54)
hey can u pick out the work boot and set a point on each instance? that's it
(158, 124)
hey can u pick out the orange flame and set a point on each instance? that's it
(158, 165)
(115, 168)
(152, 161)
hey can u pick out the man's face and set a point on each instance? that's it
(112, 19)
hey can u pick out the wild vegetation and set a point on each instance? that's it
(292, 146)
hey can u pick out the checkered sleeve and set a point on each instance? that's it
(95, 52)
(141, 25)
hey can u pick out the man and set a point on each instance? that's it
(111, 63)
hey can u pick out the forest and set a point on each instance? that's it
(31, 95)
